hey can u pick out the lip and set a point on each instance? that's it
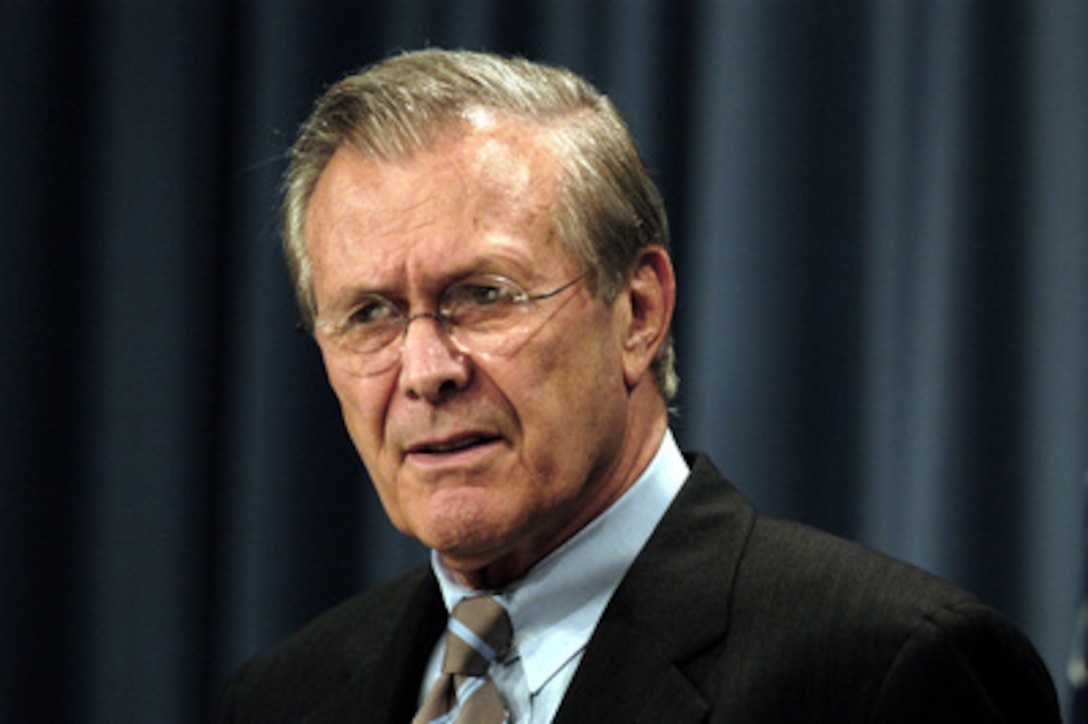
(459, 449)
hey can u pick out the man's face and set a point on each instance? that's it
(492, 460)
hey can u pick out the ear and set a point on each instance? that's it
(651, 294)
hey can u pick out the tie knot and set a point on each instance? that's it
(479, 633)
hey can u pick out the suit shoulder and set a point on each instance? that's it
(323, 654)
(817, 593)
(882, 634)
(797, 556)
(357, 624)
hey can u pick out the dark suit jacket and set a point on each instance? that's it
(726, 615)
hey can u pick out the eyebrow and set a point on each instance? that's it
(516, 267)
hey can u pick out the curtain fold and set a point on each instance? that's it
(880, 218)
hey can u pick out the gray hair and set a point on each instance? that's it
(608, 207)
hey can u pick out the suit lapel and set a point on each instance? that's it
(672, 604)
(622, 679)
(386, 687)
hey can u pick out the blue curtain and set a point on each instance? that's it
(880, 212)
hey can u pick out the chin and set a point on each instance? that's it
(462, 522)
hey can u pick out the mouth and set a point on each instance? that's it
(452, 445)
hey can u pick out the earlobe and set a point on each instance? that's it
(651, 292)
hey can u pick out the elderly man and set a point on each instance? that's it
(484, 263)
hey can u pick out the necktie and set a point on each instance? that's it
(478, 633)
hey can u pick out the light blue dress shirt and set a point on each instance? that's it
(556, 606)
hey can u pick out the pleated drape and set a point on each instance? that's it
(880, 217)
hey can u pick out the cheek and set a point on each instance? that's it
(361, 408)
(571, 403)
(362, 412)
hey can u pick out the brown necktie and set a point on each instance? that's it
(477, 635)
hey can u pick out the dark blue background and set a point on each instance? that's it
(880, 213)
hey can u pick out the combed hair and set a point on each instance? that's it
(608, 207)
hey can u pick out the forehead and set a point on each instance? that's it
(494, 173)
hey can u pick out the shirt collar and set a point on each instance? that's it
(556, 606)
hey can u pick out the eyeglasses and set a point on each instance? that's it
(486, 314)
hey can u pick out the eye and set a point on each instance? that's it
(487, 291)
(371, 310)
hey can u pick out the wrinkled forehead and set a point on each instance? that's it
(496, 180)
(492, 165)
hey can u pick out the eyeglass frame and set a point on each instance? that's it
(443, 317)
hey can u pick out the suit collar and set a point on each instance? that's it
(673, 604)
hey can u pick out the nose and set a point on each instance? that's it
(432, 366)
